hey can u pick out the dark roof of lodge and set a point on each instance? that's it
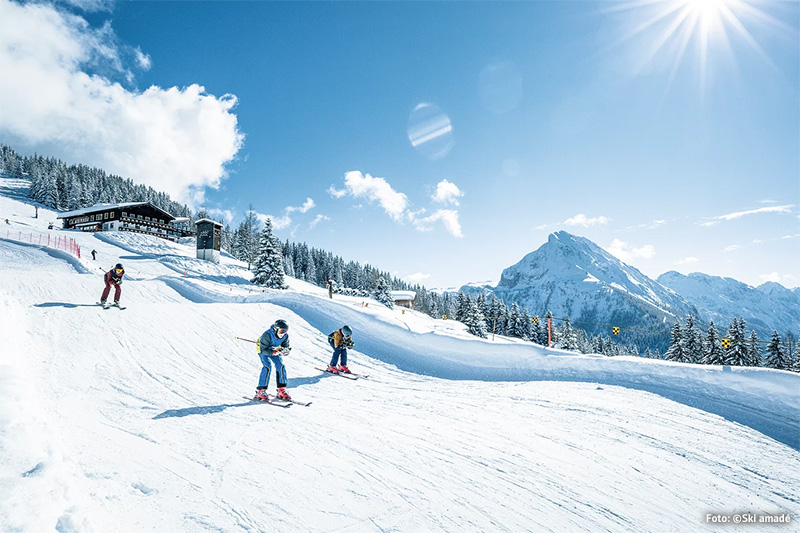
(105, 207)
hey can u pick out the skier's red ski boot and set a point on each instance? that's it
(332, 369)
(344, 370)
(283, 395)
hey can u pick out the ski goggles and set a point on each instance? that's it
(282, 331)
(118, 270)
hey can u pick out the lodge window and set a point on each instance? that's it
(111, 215)
(124, 214)
(105, 216)
(147, 219)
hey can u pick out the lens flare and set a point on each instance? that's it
(430, 131)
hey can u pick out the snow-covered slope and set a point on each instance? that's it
(133, 420)
(765, 308)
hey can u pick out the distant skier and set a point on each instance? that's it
(271, 345)
(330, 288)
(113, 277)
(340, 340)
(94, 253)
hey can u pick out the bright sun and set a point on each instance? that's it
(668, 27)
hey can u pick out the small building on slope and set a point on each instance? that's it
(404, 298)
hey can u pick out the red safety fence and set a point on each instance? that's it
(45, 239)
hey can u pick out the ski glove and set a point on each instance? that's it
(281, 351)
(348, 343)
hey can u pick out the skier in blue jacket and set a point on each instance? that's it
(271, 346)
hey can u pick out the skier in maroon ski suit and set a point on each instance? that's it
(113, 277)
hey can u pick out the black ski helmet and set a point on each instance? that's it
(346, 331)
(118, 266)
(280, 324)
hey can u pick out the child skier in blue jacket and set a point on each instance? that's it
(271, 345)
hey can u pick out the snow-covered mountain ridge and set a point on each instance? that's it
(765, 308)
(572, 276)
(133, 420)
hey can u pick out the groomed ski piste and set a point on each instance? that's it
(134, 420)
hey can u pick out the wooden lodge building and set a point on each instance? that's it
(404, 298)
(137, 217)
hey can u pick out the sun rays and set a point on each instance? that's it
(668, 30)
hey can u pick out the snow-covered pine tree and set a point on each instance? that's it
(796, 364)
(288, 267)
(269, 264)
(712, 347)
(754, 355)
(527, 325)
(789, 351)
(462, 307)
(736, 354)
(514, 327)
(692, 342)
(433, 308)
(474, 319)
(483, 307)
(381, 292)
(536, 332)
(776, 356)
(676, 352)
(566, 336)
(310, 272)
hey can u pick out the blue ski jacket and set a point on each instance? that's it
(268, 341)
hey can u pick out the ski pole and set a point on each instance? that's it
(246, 340)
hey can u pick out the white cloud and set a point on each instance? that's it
(277, 222)
(623, 251)
(395, 203)
(284, 221)
(417, 277)
(586, 222)
(143, 59)
(307, 205)
(225, 214)
(317, 220)
(378, 190)
(449, 218)
(733, 247)
(650, 225)
(92, 5)
(740, 214)
(772, 276)
(175, 140)
(687, 260)
(447, 192)
(336, 193)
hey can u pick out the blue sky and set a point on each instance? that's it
(440, 140)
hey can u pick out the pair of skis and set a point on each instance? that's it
(277, 402)
(106, 306)
(348, 375)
